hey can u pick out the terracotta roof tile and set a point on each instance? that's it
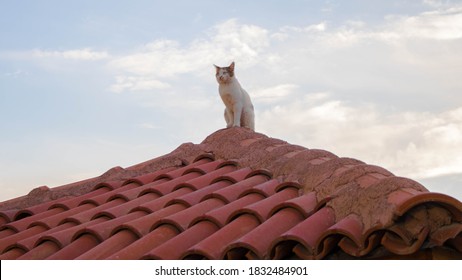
(237, 195)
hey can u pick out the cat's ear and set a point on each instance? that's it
(231, 67)
(216, 67)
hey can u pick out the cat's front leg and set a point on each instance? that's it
(228, 118)
(237, 110)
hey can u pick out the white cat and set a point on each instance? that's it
(239, 109)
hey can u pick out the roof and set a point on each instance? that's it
(237, 195)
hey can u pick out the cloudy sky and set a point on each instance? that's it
(89, 85)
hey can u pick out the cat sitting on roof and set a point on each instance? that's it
(239, 109)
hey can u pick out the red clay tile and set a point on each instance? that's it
(456, 243)
(55, 220)
(178, 172)
(103, 198)
(306, 233)
(12, 254)
(445, 233)
(350, 226)
(400, 196)
(195, 197)
(64, 237)
(159, 203)
(183, 219)
(349, 230)
(111, 185)
(29, 243)
(363, 174)
(147, 178)
(141, 226)
(221, 216)
(213, 246)
(81, 245)
(123, 209)
(7, 216)
(371, 240)
(23, 224)
(12, 239)
(206, 179)
(40, 252)
(305, 204)
(256, 244)
(397, 243)
(266, 188)
(369, 179)
(34, 210)
(173, 248)
(167, 187)
(263, 172)
(148, 242)
(233, 192)
(321, 177)
(109, 246)
(449, 203)
(7, 232)
(205, 167)
(135, 192)
(262, 209)
(235, 176)
(74, 202)
(103, 230)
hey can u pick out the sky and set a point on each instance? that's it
(89, 85)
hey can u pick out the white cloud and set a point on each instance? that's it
(282, 33)
(16, 73)
(443, 24)
(436, 3)
(124, 83)
(77, 54)
(273, 94)
(414, 144)
(164, 59)
(148, 126)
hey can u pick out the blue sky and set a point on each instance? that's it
(89, 85)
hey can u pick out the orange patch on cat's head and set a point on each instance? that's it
(224, 74)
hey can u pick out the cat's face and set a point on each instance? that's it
(224, 74)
